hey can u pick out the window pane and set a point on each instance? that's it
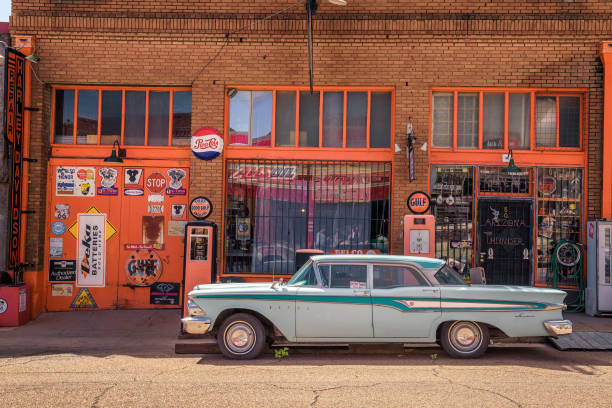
(493, 121)
(356, 119)
(112, 105)
(64, 116)
(546, 121)
(87, 119)
(380, 119)
(467, 120)
(135, 111)
(261, 122)
(333, 107)
(442, 123)
(569, 121)
(159, 118)
(285, 119)
(349, 276)
(390, 276)
(239, 118)
(309, 119)
(519, 121)
(181, 119)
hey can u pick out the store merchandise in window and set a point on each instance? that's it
(559, 214)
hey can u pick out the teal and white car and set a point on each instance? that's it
(372, 299)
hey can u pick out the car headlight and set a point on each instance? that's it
(194, 310)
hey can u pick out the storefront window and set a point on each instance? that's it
(103, 117)
(333, 127)
(569, 121)
(559, 214)
(159, 118)
(277, 207)
(494, 180)
(87, 117)
(112, 106)
(380, 119)
(356, 119)
(309, 119)
(442, 121)
(452, 201)
(493, 121)
(64, 116)
(285, 118)
(519, 120)
(546, 121)
(467, 120)
(261, 122)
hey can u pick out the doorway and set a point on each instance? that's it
(505, 240)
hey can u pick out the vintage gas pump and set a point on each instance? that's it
(200, 265)
(419, 228)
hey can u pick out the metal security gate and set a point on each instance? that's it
(274, 208)
(505, 240)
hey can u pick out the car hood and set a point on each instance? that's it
(239, 288)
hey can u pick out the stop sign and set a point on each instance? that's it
(156, 183)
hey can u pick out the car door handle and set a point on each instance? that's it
(432, 290)
(361, 292)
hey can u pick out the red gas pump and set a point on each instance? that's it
(200, 265)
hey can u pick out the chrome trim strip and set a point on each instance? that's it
(195, 325)
(558, 328)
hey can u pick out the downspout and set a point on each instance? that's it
(605, 53)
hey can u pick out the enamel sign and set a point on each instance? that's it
(91, 250)
(206, 143)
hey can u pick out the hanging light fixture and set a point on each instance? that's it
(511, 168)
(113, 158)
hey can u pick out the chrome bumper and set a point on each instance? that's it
(557, 328)
(195, 325)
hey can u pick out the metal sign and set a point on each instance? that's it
(206, 143)
(14, 109)
(418, 202)
(200, 207)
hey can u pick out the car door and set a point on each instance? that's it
(403, 302)
(340, 308)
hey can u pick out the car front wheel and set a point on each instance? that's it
(464, 339)
(241, 336)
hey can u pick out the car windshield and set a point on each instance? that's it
(305, 276)
(447, 276)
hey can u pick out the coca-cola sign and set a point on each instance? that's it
(206, 143)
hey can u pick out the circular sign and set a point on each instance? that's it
(156, 183)
(58, 228)
(143, 267)
(418, 202)
(200, 207)
(3, 306)
(206, 143)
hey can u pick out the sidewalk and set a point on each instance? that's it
(138, 332)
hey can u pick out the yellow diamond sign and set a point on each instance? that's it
(110, 230)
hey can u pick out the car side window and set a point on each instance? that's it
(348, 276)
(395, 276)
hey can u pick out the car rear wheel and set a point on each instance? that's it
(241, 336)
(464, 339)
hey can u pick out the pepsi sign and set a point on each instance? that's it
(206, 143)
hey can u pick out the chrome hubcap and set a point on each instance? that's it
(465, 336)
(240, 337)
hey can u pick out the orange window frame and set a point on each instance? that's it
(534, 92)
(315, 153)
(123, 90)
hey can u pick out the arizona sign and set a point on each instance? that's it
(206, 143)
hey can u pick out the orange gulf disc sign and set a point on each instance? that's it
(418, 202)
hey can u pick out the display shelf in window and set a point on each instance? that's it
(559, 214)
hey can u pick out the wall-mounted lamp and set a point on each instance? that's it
(511, 168)
(32, 58)
(116, 154)
(231, 92)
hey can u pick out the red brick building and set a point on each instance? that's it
(473, 79)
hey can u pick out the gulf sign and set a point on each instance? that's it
(418, 202)
(206, 143)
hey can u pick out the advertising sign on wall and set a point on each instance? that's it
(206, 143)
(14, 109)
(91, 250)
(75, 181)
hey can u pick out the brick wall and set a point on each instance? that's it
(411, 53)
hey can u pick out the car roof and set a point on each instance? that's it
(420, 260)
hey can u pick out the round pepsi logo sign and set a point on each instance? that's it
(206, 143)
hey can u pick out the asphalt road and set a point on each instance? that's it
(530, 375)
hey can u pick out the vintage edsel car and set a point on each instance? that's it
(372, 299)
